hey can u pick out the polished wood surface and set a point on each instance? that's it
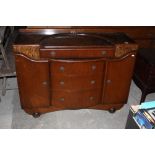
(77, 53)
(33, 82)
(76, 83)
(143, 35)
(73, 70)
(118, 77)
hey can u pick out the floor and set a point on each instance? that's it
(13, 117)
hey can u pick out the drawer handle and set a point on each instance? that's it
(62, 82)
(103, 52)
(62, 99)
(91, 98)
(108, 81)
(93, 82)
(44, 83)
(126, 42)
(53, 53)
(62, 68)
(93, 67)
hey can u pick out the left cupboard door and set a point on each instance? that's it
(33, 82)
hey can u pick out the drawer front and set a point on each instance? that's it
(76, 53)
(76, 68)
(76, 83)
(76, 100)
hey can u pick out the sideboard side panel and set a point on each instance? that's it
(33, 82)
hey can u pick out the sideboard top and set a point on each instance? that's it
(71, 39)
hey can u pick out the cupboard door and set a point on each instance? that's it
(33, 82)
(118, 79)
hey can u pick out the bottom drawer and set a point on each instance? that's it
(82, 99)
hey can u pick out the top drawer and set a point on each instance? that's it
(76, 53)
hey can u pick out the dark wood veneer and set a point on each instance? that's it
(73, 69)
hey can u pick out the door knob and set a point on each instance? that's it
(103, 52)
(93, 67)
(93, 82)
(62, 99)
(52, 53)
(44, 83)
(91, 98)
(108, 81)
(62, 82)
(62, 68)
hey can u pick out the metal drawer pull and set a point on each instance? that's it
(91, 98)
(126, 42)
(44, 83)
(62, 99)
(62, 68)
(93, 82)
(62, 82)
(53, 53)
(108, 81)
(93, 67)
(103, 52)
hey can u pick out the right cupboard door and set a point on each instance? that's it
(118, 79)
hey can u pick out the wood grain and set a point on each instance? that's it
(32, 51)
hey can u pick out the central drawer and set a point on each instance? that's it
(76, 53)
(76, 83)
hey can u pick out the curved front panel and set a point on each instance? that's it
(76, 83)
(33, 82)
(118, 79)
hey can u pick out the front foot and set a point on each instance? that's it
(36, 115)
(112, 110)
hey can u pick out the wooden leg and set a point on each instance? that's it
(112, 110)
(36, 115)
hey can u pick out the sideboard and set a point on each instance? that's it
(61, 69)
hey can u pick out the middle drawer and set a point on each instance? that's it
(76, 53)
(76, 83)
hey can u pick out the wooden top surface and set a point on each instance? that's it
(71, 39)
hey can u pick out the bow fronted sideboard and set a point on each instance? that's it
(73, 70)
